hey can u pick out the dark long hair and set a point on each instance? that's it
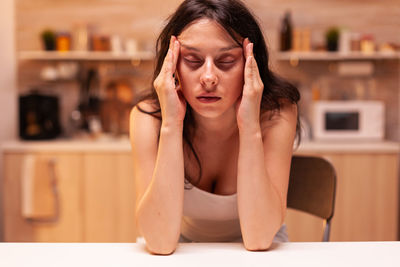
(236, 19)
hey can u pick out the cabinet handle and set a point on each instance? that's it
(55, 192)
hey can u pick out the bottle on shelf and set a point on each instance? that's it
(286, 32)
(344, 40)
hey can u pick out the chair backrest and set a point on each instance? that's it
(312, 187)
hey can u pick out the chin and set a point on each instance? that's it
(211, 112)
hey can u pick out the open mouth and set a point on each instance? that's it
(208, 99)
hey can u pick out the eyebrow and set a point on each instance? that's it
(222, 49)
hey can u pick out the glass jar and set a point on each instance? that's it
(63, 42)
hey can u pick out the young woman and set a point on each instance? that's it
(212, 142)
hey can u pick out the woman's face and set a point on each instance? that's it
(210, 68)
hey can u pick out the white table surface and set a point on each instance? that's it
(201, 254)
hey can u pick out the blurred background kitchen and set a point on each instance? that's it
(70, 71)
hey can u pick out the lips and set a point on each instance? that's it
(208, 99)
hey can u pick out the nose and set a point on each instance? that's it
(208, 78)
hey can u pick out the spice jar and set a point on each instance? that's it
(355, 42)
(63, 42)
(367, 44)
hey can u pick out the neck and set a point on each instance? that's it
(216, 129)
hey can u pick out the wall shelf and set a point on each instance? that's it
(146, 55)
(330, 56)
(84, 56)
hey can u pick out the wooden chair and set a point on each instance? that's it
(312, 188)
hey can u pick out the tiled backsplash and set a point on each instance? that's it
(383, 85)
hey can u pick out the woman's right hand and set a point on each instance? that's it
(172, 102)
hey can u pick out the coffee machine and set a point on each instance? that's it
(38, 116)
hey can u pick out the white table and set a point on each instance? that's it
(201, 254)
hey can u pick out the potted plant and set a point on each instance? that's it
(332, 39)
(49, 40)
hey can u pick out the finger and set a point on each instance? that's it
(169, 71)
(256, 73)
(175, 50)
(249, 67)
(252, 74)
(248, 71)
(166, 68)
(245, 43)
(257, 81)
(254, 65)
(249, 49)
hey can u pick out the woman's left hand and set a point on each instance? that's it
(248, 104)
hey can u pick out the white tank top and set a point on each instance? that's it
(210, 217)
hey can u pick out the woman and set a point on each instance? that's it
(212, 142)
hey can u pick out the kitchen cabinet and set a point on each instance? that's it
(109, 198)
(35, 223)
(97, 192)
(367, 200)
(96, 197)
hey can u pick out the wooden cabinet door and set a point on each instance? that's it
(109, 198)
(35, 186)
(367, 198)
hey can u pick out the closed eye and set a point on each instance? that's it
(193, 63)
(226, 64)
(226, 61)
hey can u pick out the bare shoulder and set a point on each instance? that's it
(143, 125)
(148, 106)
(284, 118)
(143, 111)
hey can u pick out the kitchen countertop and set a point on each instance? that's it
(349, 146)
(123, 145)
(68, 145)
(201, 254)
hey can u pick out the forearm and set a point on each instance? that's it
(160, 209)
(260, 208)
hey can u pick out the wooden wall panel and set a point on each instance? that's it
(143, 19)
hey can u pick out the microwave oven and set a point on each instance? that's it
(348, 120)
